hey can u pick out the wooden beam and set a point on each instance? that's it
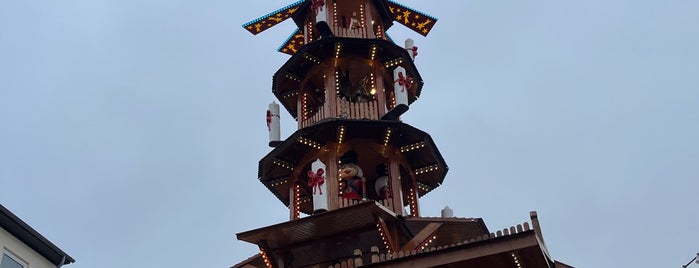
(392, 243)
(420, 238)
(272, 259)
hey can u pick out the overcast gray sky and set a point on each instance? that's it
(130, 130)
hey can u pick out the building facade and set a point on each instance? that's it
(24, 247)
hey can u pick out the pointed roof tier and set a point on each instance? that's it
(357, 227)
(304, 69)
(377, 139)
(388, 11)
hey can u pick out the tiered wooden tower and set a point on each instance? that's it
(353, 168)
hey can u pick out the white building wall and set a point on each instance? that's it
(10, 243)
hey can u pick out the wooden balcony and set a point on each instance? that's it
(345, 109)
(352, 33)
(344, 202)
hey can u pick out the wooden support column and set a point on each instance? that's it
(395, 183)
(420, 238)
(330, 107)
(380, 88)
(368, 26)
(415, 205)
(331, 177)
(299, 109)
(294, 212)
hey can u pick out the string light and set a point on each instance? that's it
(283, 163)
(291, 94)
(337, 82)
(412, 147)
(309, 29)
(427, 243)
(340, 134)
(340, 182)
(280, 181)
(265, 258)
(334, 13)
(372, 52)
(338, 49)
(382, 233)
(311, 58)
(516, 260)
(393, 62)
(292, 77)
(297, 197)
(309, 142)
(305, 200)
(304, 101)
(413, 205)
(426, 169)
(387, 136)
(423, 187)
(361, 15)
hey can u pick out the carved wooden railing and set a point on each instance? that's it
(319, 115)
(358, 110)
(347, 110)
(351, 33)
(344, 202)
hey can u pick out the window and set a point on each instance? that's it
(11, 261)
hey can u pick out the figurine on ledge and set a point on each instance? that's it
(352, 177)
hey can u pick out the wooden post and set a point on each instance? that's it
(330, 106)
(358, 258)
(380, 92)
(415, 207)
(368, 25)
(394, 182)
(375, 254)
(331, 179)
(293, 202)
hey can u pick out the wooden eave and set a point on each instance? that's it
(304, 9)
(494, 252)
(255, 261)
(292, 151)
(326, 236)
(299, 66)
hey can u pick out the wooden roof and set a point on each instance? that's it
(332, 236)
(513, 247)
(287, 81)
(497, 252)
(291, 151)
(326, 236)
